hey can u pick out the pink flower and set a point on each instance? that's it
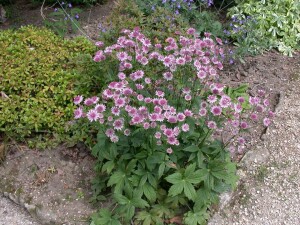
(212, 98)
(120, 102)
(168, 76)
(163, 127)
(162, 101)
(201, 74)
(241, 99)
(271, 114)
(89, 101)
(115, 111)
(122, 56)
(146, 125)
(167, 61)
(100, 108)
(153, 124)
(180, 117)
(241, 141)
(168, 132)
(114, 139)
(219, 41)
(77, 99)
(92, 115)
(172, 140)
(188, 113)
(188, 97)
(191, 31)
(99, 44)
(157, 135)
(147, 80)
(254, 100)
(160, 94)
(180, 61)
(78, 113)
(185, 127)
(211, 125)
(118, 124)
(140, 97)
(121, 76)
(266, 102)
(172, 119)
(202, 112)
(253, 116)
(148, 100)
(238, 108)
(169, 150)
(216, 110)
(126, 132)
(144, 61)
(244, 125)
(266, 122)
(225, 101)
(109, 132)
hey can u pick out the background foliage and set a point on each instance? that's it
(36, 80)
(262, 25)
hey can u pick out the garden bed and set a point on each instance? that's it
(55, 185)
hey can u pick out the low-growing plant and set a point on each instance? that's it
(164, 129)
(262, 25)
(196, 13)
(64, 19)
(36, 80)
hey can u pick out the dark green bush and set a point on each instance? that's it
(36, 80)
(77, 2)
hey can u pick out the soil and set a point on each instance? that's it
(54, 185)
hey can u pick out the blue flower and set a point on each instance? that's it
(70, 5)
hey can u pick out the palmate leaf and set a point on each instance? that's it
(189, 191)
(196, 218)
(104, 217)
(149, 218)
(149, 192)
(174, 178)
(176, 189)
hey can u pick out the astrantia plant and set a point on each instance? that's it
(164, 128)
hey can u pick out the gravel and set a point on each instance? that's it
(269, 192)
(11, 213)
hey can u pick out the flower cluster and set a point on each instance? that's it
(169, 90)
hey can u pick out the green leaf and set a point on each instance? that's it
(192, 148)
(189, 169)
(176, 189)
(149, 192)
(174, 178)
(116, 178)
(121, 199)
(108, 166)
(139, 202)
(189, 191)
(161, 170)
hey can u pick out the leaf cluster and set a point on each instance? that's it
(150, 187)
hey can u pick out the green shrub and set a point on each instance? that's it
(72, 1)
(261, 25)
(196, 13)
(36, 80)
(127, 15)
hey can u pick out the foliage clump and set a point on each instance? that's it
(263, 25)
(36, 80)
